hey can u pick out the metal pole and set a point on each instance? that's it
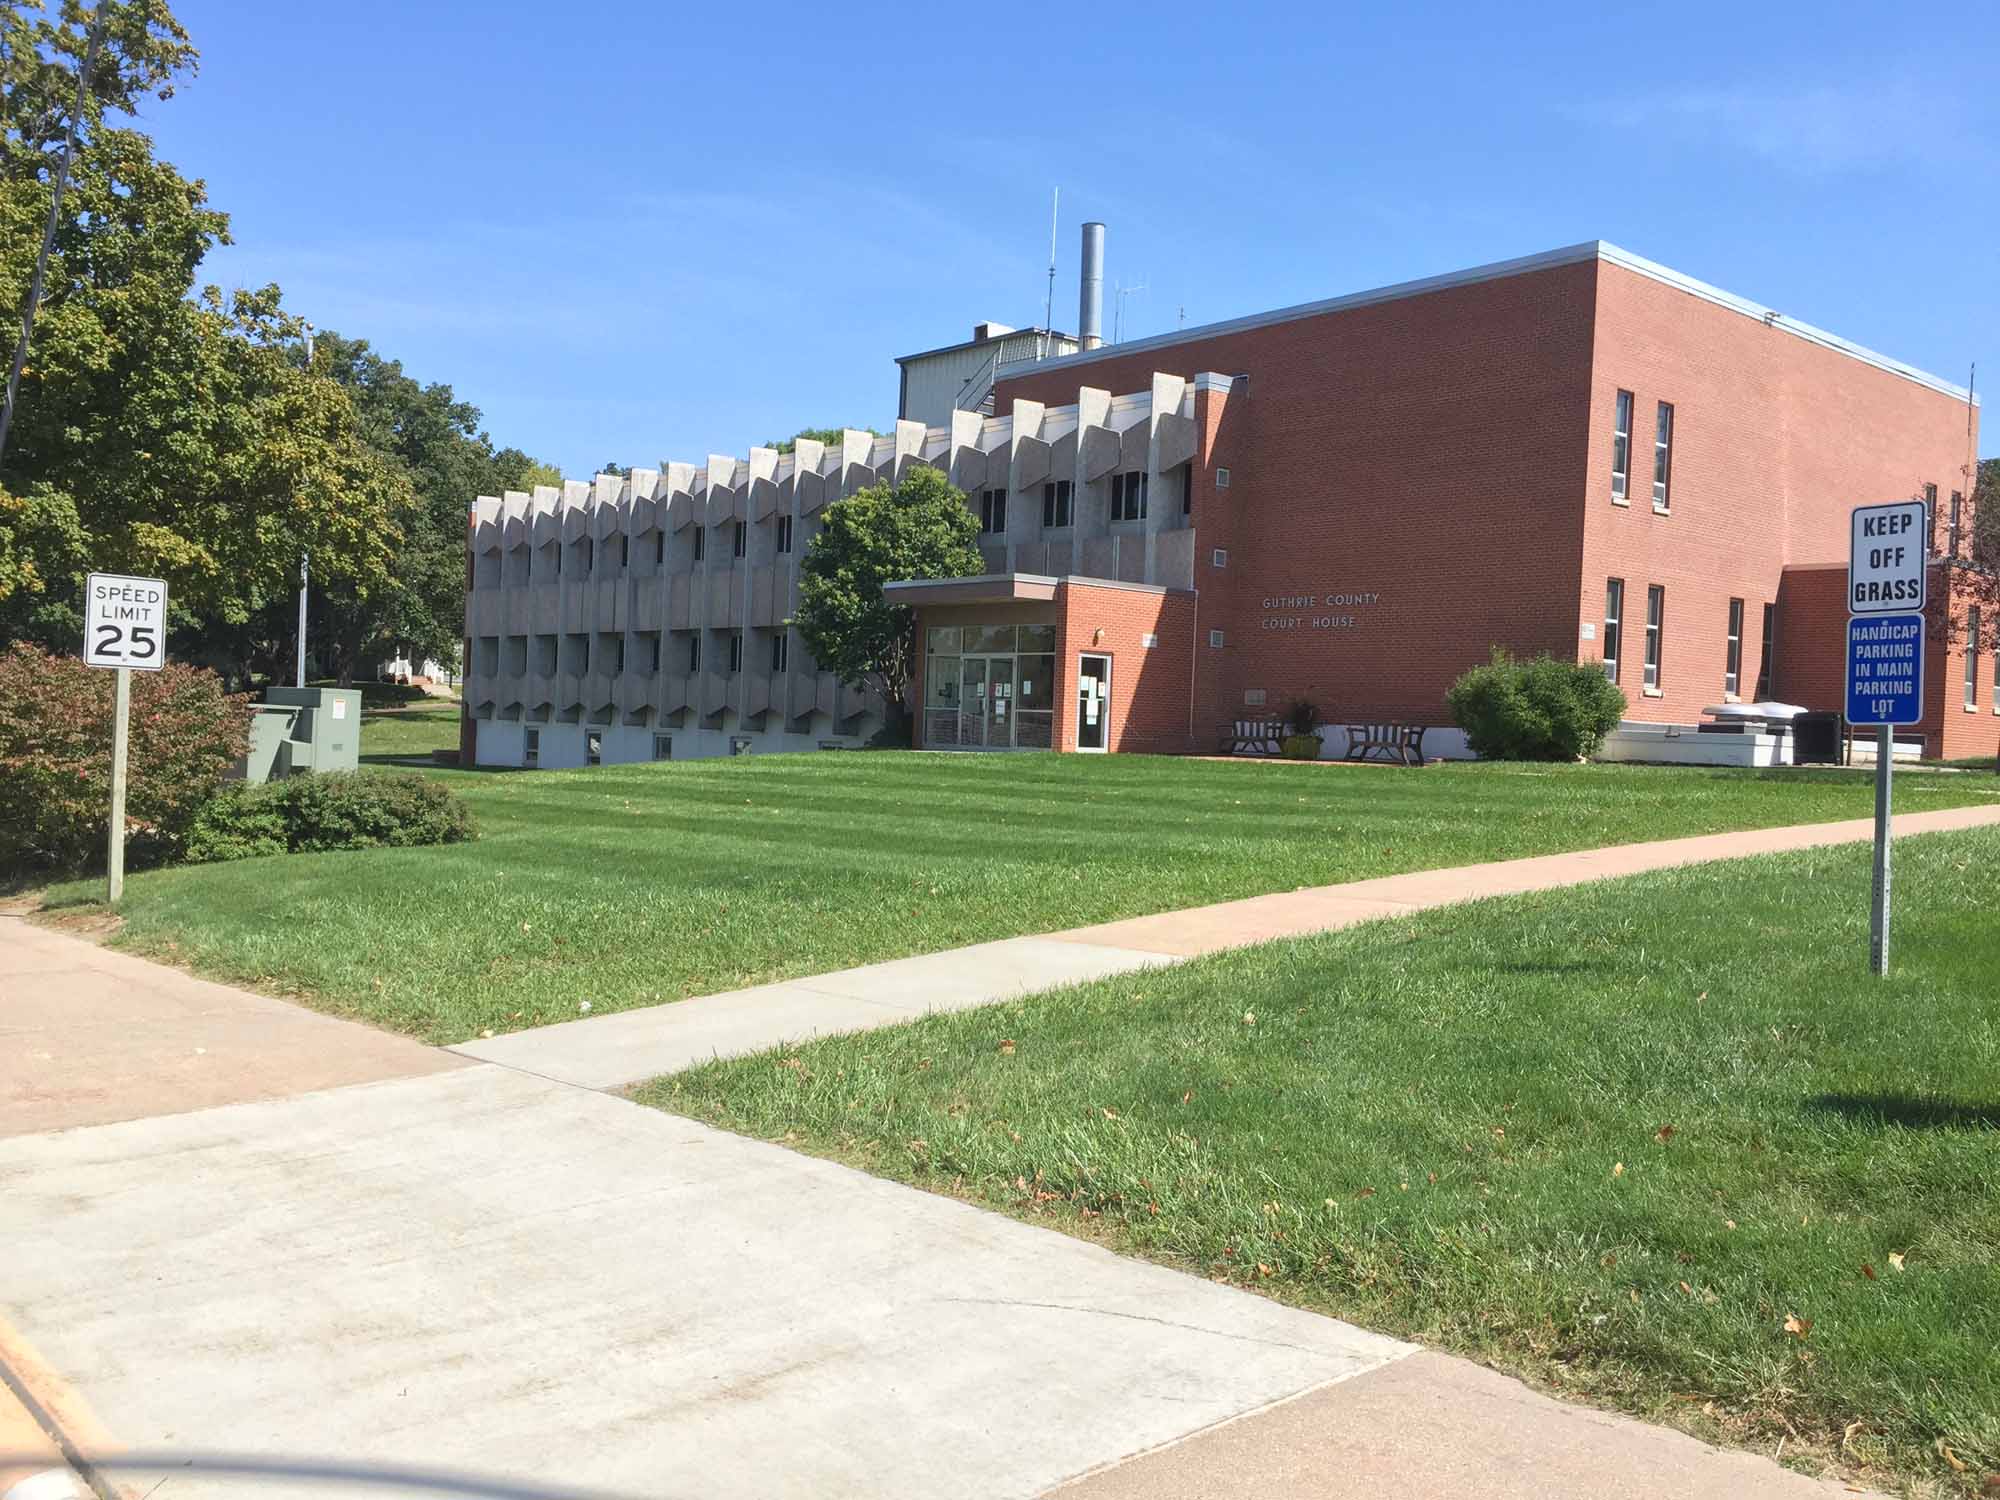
(121, 719)
(1878, 929)
(303, 563)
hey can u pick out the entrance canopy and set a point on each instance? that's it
(987, 588)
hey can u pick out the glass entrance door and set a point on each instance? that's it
(1093, 701)
(986, 702)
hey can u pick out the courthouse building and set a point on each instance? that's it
(1350, 501)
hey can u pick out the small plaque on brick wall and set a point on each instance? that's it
(1149, 640)
(1253, 697)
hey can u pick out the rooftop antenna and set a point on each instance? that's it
(1049, 305)
(1118, 295)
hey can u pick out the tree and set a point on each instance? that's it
(159, 429)
(830, 435)
(921, 528)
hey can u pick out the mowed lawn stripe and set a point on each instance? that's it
(1661, 1142)
(619, 886)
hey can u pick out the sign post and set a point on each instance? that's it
(1888, 580)
(125, 629)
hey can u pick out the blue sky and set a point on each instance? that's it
(631, 231)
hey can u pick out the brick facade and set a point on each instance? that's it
(1431, 468)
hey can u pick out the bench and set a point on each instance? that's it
(1253, 737)
(1402, 743)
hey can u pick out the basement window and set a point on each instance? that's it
(531, 747)
(593, 749)
(663, 747)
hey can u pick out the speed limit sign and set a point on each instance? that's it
(125, 622)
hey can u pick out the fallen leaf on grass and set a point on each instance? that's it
(1896, 1260)
(1944, 1452)
(1111, 1114)
(1867, 1270)
(1365, 1193)
(1618, 1169)
(1007, 1047)
(1664, 1134)
(1797, 1326)
(1249, 1018)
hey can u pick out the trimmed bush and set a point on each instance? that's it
(1542, 709)
(340, 810)
(55, 758)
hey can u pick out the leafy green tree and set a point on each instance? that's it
(816, 435)
(159, 429)
(920, 528)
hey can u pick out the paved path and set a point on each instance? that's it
(333, 1245)
(610, 1051)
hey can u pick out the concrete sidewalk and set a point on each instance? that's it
(234, 1226)
(629, 1046)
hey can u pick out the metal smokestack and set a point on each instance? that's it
(1090, 304)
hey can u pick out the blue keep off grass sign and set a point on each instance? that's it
(1885, 669)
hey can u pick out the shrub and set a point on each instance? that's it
(55, 757)
(339, 810)
(1303, 717)
(1542, 709)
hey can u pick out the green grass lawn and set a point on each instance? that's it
(629, 885)
(1660, 1142)
(406, 734)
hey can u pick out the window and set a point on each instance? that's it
(1663, 455)
(781, 651)
(1215, 638)
(659, 549)
(992, 512)
(1187, 490)
(1614, 615)
(694, 652)
(1056, 503)
(663, 747)
(1220, 557)
(1972, 658)
(616, 643)
(1952, 527)
(651, 638)
(593, 748)
(740, 540)
(1732, 668)
(624, 551)
(1222, 479)
(531, 747)
(736, 652)
(586, 556)
(739, 744)
(700, 542)
(1764, 662)
(555, 549)
(1128, 497)
(1930, 518)
(1656, 620)
(1621, 447)
(784, 535)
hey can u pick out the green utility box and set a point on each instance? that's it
(303, 729)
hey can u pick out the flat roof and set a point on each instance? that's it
(1568, 255)
(998, 338)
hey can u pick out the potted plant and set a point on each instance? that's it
(1301, 741)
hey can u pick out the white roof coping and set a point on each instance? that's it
(1498, 270)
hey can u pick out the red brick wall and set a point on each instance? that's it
(1954, 731)
(1429, 451)
(1776, 440)
(1810, 649)
(1150, 685)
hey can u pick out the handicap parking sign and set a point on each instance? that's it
(1885, 669)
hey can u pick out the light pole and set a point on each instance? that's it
(305, 558)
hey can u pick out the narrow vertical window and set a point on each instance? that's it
(624, 551)
(1732, 667)
(780, 652)
(659, 549)
(784, 535)
(1621, 447)
(694, 652)
(531, 747)
(593, 748)
(1663, 455)
(1614, 624)
(1952, 525)
(1930, 519)
(736, 652)
(1972, 657)
(1187, 490)
(1056, 504)
(1656, 621)
(1764, 660)
(740, 543)
(700, 542)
